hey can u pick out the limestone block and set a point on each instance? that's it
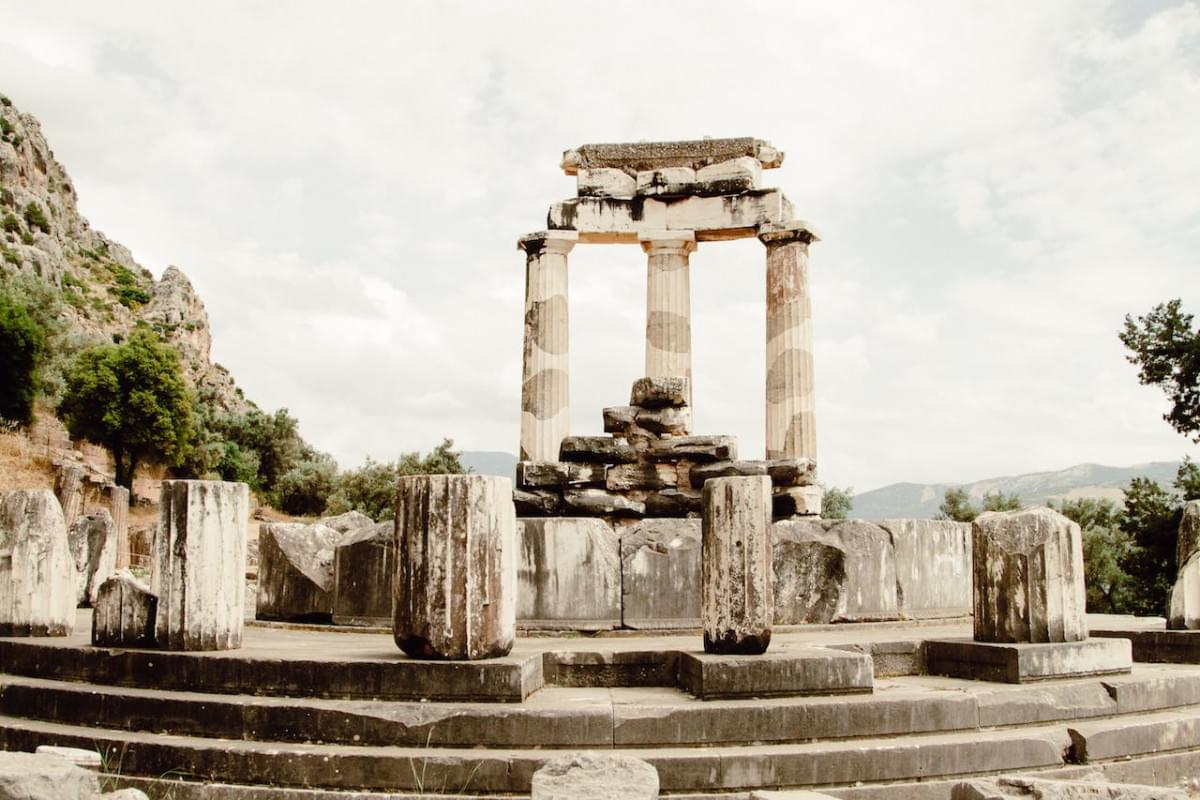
(1187, 543)
(93, 540)
(1093, 787)
(76, 755)
(595, 776)
(730, 216)
(535, 474)
(1028, 577)
(847, 564)
(364, 568)
(295, 571)
(695, 448)
(569, 574)
(125, 612)
(737, 596)
(671, 421)
(456, 579)
(625, 477)
(618, 419)
(537, 502)
(597, 450)
(933, 566)
(659, 392)
(349, 521)
(200, 557)
(666, 181)
(34, 776)
(729, 177)
(660, 574)
(633, 157)
(604, 182)
(784, 472)
(674, 503)
(37, 572)
(602, 503)
(797, 501)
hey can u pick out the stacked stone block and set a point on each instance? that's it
(649, 466)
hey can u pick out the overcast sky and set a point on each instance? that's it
(996, 184)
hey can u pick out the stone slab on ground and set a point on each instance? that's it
(660, 574)
(595, 776)
(37, 571)
(790, 673)
(34, 776)
(568, 574)
(1006, 787)
(1158, 646)
(1024, 662)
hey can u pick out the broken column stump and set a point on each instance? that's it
(1185, 594)
(200, 562)
(125, 612)
(295, 571)
(737, 600)
(93, 540)
(37, 572)
(456, 574)
(363, 571)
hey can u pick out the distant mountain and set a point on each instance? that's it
(490, 462)
(921, 500)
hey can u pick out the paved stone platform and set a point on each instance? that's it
(1026, 662)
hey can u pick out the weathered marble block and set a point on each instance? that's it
(695, 448)
(347, 522)
(125, 612)
(595, 776)
(200, 563)
(597, 450)
(1028, 577)
(737, 581)
(933, 566)
(660, 574)
(1184, 611)
(456, 567)
(295, 571)
(659, 392)
(364, 569)
(797, 501)
(37, 572)
(569, 575)
(93, 540)
(599, 502)
(537, 474)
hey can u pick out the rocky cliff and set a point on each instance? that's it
(105, 292)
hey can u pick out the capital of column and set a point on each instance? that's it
(534, 244)
(662, 242)
(786, 233)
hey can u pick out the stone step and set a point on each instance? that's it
(1142, 734)
(489, 772)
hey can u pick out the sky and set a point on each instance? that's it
(996, 186)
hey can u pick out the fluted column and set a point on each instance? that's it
(791, 419)
(668, 304)
(545, 386)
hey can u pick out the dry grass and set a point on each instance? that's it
(23, 465)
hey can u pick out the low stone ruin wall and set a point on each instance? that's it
(586, 574)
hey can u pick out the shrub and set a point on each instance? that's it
(304, 488)
(6, 198)
(371, 488)
(26, 238)
(5, 127)
(4, 101)
(36, 218)
(10, 256)
(22, 343)
(126, 288)
(10, 224)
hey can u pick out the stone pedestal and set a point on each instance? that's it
(456, 574)
(37, 571)
(125, 613)
(791, 421)
(363, 570)
(93, 539)
(545, 387)
(295, 571)
(737, 594)
(1028, 577)
(200, 565)
(1007, 662)
(668, 304)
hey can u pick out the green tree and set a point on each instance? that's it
(837, 503)
(132, 399)
(999, 501)
(1105, 546)
(1151, 521)
(304, 489)
(956, 505)
(1187, 480)
(371, 488)
(22, 344)
(1166, 351)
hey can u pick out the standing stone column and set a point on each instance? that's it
(118, 498)
(200, 563)
(37, 571)
(456, 567)
(545, 387)
(668, 304)
(791, 420)
(737, 599)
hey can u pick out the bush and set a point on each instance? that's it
(22, 343)
(5, 127)
(36, 218)
(26, 238)
(6, 198)
(371, 488)
(4, 101)
(304, 489)
(10, 224)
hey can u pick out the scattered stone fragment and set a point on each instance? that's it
(1028, 577)
(456, 567)
(1095, 788)
(569, 574)
(38, 588)
(792, 471)
(348, 521)
(537, 503)
(695, 448)
(39, 776)
(599, 502)
(659, 392)
(797, 501)
(295, 571)
(595, 776)
(200, 555)
(668, 420)
(605, 182)
(737, 597)
(535, 474)
(674, 503)
(660, 574)
(88, 759)
(597, 450)
(125, 611)
(627, 477)
(93, 540)
(364, 568)
(618, 419)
